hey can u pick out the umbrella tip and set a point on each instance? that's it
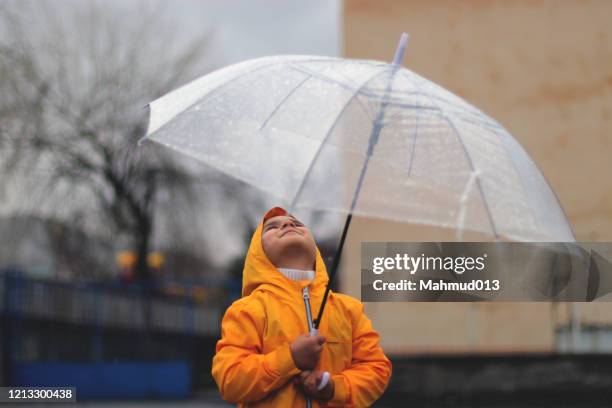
(401, 47)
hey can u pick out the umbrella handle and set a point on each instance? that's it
(324, 381)
(325, 378)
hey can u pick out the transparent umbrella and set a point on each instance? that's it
(361, 137)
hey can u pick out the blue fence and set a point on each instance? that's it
(166, 380)
(108, 341)
(107, 305)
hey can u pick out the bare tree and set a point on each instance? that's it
(73, 90)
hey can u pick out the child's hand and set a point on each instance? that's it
(309, 380)
(305, 351)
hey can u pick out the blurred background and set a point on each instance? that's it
(118, 261)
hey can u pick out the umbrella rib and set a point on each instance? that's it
(473, 169)
(497, 129)
(221, 86)
(277, 107)
(414, 139)
(329, 132)
(482, 119)
(397, 101)
(523, 183)
(338, 83)
(306, 70)
(323, 78)
(214, 91)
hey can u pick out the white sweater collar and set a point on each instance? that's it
(297, 274)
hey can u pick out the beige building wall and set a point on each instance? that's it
(543, 69)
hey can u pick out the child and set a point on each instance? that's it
(267, 358)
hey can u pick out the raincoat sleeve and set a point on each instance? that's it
(365, 381)
(241, 371)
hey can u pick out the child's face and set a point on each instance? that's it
(284, 236)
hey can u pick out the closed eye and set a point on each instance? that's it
(270, 226)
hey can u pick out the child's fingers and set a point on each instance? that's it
(310, 384)
(316, 339)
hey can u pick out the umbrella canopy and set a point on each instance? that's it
(362, 137)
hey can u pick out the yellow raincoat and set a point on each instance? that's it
(253, 365)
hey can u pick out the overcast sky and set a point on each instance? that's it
(244, 29)
(239, 30)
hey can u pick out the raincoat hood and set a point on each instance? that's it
(259, 270)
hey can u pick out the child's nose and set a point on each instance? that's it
(287, 223)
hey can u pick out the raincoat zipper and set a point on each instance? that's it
(306, 296)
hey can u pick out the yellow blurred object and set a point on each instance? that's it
(156, 260)
(199, 294)
(126, 259)
(174, 290)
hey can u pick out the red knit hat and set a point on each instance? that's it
(274, 212)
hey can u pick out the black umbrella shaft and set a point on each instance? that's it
(374, 135)
(334, 268)
(373, 139)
